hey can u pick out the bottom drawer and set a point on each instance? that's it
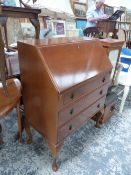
(78, 120)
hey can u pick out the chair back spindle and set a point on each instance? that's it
(2, 64)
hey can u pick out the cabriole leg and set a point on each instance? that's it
(54, 164)
(55, 151)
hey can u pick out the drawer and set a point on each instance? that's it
(86, 88)
(80, 119)
(74, 108)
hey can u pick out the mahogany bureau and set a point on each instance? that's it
(65, 82)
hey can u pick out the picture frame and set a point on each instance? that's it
(109, 10)
(128, 15)
(58, 27)
(80, 9)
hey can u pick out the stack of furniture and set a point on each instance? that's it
(113, 49)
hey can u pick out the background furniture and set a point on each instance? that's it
(106, 26)
(10, 101)
(125, 80)
(111, 100)
(64, 84)
(124, 77)
(91, 32)
(113, 49)
(10, 91)
(125, 35)
(17, 12)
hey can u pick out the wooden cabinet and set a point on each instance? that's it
(110, 103)
(65, 82)
(113, 49)
(106, 26)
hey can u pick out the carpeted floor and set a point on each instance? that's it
(89, 151)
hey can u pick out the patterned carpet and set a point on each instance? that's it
(89, 151)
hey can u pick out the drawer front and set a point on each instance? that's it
(73, 109)
(91, 85)
(77, 121)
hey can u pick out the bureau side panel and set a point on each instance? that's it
(40, 97)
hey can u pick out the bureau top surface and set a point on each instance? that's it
(69, 61)
(55, 41)
(63, 40)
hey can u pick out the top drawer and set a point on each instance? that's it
(86, 88)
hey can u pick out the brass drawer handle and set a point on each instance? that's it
(103, 80)
(70, 127)
(72, 96)
(98, 105)
(71, 111)
(101, 92)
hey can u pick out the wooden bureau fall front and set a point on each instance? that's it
(65, 83)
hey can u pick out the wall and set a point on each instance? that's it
(124, 3)
(61, 3)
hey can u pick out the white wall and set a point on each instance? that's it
(64, 5)
(118, 3)
(60, 5)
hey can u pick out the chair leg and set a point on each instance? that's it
(19, 122)
(126, 90)
(1, 140)
(28, 131)
(17, 136)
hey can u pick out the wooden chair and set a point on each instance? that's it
(122, 36)
(91, 32)
(10, 92)
(124, 77)
(10, 101)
